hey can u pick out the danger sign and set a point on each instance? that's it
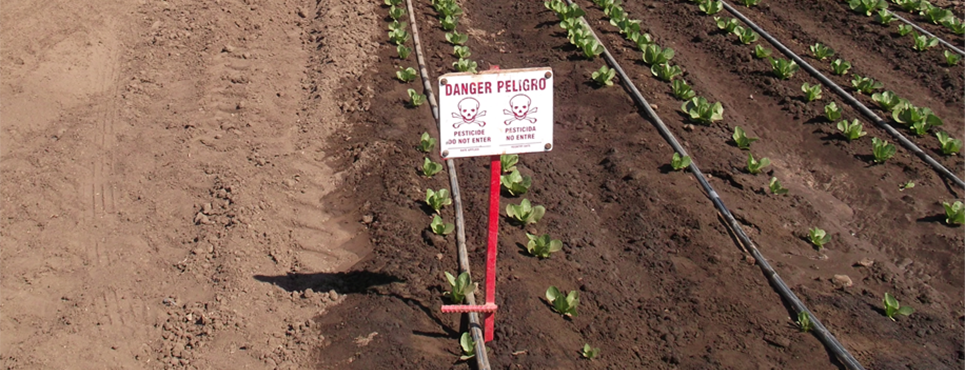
(496, 112)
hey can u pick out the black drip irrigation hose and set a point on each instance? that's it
(910, 146)
(475, 328)
(929, 34)
(829, 341)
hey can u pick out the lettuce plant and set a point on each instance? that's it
(887, 100)
(403, 51)
(832, 112)
(641, 39)
(449, 23)
(426, 142)
(818, 237)
(760, 52)
(653, 54)
(804, 322)
(821, 51)
(590, 47)
(681, 90)
(811, 92)
(892, 307)
(430, 168)
(515, 183)
(393, 2)
(750, 3)
(711, 7)
(746, 35)
(398, 36)
(438, 199)
(679, 162)
(525, 213)
(954, 213)
(440, 227)
(701, 111)
(665, 72)
(395, 25)
(468, 346)
(465, 65)
(783, 68)
(396, 12)
(882, 150)
(755, 166)
(740, 138)
(840, 66)
(949, 145)
(904, 29)
(447, 8)
(955, 25)
(563, 304)
(921, 127)
(457, 38)
(415, 98)
(541, 245)
(459, 287)
(727, 24)
(776, 187)
(851, 131)
(919, 120)
(590, 353)
(937, 15)
(910, 6)
(604, 76)
(406, 74)
(907, 185)
(461, 52)
(884, 17)
(867, 7)
(923, 42)
(952, 58)
(615, 12)
(865, 85)
(507, 162)
(627, 25)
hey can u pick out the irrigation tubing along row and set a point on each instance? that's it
(830, 342)
(475, 328)
(929, 34)
(850, 99)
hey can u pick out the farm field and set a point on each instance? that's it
(237, 184)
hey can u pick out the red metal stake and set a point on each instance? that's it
(495, 172)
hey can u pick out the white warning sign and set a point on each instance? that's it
(496, 112)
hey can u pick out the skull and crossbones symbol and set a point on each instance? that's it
(521, 105)
(469, 112)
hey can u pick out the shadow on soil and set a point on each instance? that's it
(342, 282)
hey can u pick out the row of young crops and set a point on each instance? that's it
(918, 120)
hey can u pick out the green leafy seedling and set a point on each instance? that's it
(396, 12)
(465, 65)
(458, 287)
(403, 51)
(563, 304)
(887, 100)
(398, 36)
(882, 150)
(415, 98)
(627, 25)
(776, 187)
(727, 24)
(957, 26)
(438, 199)
(395, 25)
(468, 346)
(832, 112)
(866, 85)
(746, 35)
(591, 48)
(750, 3)
(760, 52)
(507, 162)
(641, 39)
(681, 90)
(525, 212)
(818, 237)
(665, 72)
(867, 7)
(952, 58)
(840, 66)
(851, 131)
(892, 308)
(515, 183)
(821, 51)
(406, 74)
(740, 138)
(904, 29)
(440, 227)
(937, 15)
(430, 168)
(604, 76)
(426, 142)
(447, 8)
(908, 185)
(811, 92)
(541, 245)
(461, 52)
(884, 17)
(701, 111)
(393, 2)
(923, 42)
(711, 7)
(783, 68)
(949, 145)
(755, 166)
(954, 213)
(590, 353)
(679, 162)
(457, 38)
(804, 322)
(653, 54)
(919, 120)
(449, 23)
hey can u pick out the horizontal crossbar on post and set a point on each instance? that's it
(463, 308)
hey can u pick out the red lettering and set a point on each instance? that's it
(448, 89)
